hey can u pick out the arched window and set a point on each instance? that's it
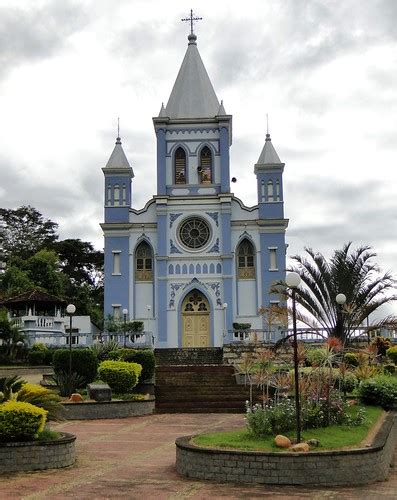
(116, 195)
(180, 166)
(143, 262)
(206, 165)
(245, 261)
(278, 197)
(270, 192)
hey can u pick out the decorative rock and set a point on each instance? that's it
(76, 397)
(99, 392)
(282, 441)
(313, 443)
(300, 447)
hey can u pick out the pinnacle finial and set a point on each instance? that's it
(192, 37)
(267, 128)
(118, 140)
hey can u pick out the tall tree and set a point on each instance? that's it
(24, 231)
(351, 272)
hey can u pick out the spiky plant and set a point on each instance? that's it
(351, 272)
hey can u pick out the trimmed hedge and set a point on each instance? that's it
(121, 376)
(145, 358)
(392, 354)
(84, 363)
(380, 390)
(20, 421)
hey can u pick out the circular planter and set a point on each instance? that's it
(90, 410)
(38, 455)
(326, 468)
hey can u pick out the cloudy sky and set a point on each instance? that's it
(324, 70)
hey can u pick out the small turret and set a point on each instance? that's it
(269, 174)
(118, 174)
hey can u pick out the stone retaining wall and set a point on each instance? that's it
(35, 455)
(327, 468)
(89, 410)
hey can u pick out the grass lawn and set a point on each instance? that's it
(335, 436)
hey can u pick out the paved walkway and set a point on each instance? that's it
(135, 458)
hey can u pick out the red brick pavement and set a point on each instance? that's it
(135, 458)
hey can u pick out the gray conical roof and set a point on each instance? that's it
(118, 159)
(193, 95)
(268, 155)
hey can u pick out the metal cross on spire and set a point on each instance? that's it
(191, 19)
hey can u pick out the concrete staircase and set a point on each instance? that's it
(195, 386)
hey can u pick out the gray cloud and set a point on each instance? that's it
(35, 34)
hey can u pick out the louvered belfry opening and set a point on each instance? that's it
(180, 166)
(206, 165)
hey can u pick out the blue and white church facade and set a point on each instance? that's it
(195, 259)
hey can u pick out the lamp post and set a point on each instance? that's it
(292, 281)
(341, 300)
(149, 308)
(125, 312)
(70, 309)
(224, 306)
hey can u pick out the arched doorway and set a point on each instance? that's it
(195, 320)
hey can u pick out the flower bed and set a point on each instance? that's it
(38, 455)
(87, 410)
(332, 468)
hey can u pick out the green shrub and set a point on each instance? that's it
(68, 382)
(389, 368)
(84, 363)
(392, 354)
(241, 326)
(316, 356)
(9, 386)
(382, 344)
(102, 350)
(121, 376)
(351, 359)
(20, 421)
(40, 347)
(145, 358)
(43, 398)
(379, 391)
(36, 357)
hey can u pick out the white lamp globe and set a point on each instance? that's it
(293, 280)
(125, 312)
(341, 298)
(71, 309)
(224, 305)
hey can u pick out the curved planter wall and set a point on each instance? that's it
(342, 468)
(90, 410)
(35, 455)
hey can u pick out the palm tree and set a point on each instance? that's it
(351, 272)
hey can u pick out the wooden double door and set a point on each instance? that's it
(195, 320)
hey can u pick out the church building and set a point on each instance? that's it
(195, 259)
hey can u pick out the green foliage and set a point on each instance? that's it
(48, 435)
(351, 359)
(9, 386)
(241, 326)
(145, 358)
(10, 335)
(103, 350)
(389, 368)
(351, 272)
(36, 357)
(43, 398)
(134, 326)
(26, 231)
(68, 383)
(316, 356)
(40, 355)
(20, 421)
(382, 344)
(84, 363)
(121, 376)
(380, 390)
(392, 353)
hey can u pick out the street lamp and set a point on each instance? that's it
(149, 308)
(70, 309)
(293, 280)
(125, 312)
(224, 306)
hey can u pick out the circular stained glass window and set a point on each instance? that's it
(194, 233)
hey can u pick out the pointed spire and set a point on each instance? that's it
(162, 113)
(268, 155)
(193, 95)
(221, 110)
(118, 159)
